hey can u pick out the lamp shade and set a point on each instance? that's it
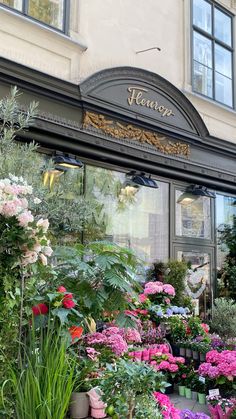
(68, 162)
(192, 193)
(142, 180)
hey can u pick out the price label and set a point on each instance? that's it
(214, 392)
(202, 379)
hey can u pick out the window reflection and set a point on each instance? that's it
(202, 15)
(193, 220)
(225, 210)
(132, 218)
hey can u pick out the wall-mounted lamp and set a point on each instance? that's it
(137, 180)
(68, 162)
(49, 176)
(192, 193)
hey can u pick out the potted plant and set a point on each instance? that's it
(181, 378)
(195, 350)
(79, 404)
(194, 386)
(124, 382)
(200, 387)
(203, 348)
(188, 383)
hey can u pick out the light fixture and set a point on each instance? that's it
(192, 193)
(68, 162)
(51, 175)
(137, 180)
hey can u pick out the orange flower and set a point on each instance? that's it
(76, 332)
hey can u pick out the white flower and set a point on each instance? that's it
(37, 201)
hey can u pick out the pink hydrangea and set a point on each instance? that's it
(213, 356)
(131, 335)
(96, 338)
(117, 344)
(173, 368)
(167, 408)
(168, 289)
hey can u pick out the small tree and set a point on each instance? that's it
(227, 240)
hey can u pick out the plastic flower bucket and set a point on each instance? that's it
(201, 398)
(188, 393)
(182, 390)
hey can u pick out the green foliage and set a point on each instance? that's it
(224, 317)
(146, 407)
(101, 275)
(124, 383)
(42, 386)
(177, 329)
(227, 240)
(177, 272)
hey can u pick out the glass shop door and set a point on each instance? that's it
(199, 280)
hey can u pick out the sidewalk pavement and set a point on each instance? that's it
(183, 403)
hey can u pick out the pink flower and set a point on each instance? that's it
(168, 289)
(164, 365)
(213, 356)
(142, 298)
(131, 335)
(96, 338)
(179, 359)
(43, 224)
(92, 353)
(61, 289)
(173, 368)
(25, 218)
(117, 344)
(167, 300)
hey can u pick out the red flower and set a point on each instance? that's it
(61, 289)
(205, 327)
(40, 309)
(76, 332)
(68, 296)
(67, 301)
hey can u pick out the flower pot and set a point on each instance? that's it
(79, 405)
(195, 355)
(175, 349)
(170, 389)
(182, 390)
(194, 395)
(182, 351)
(188, 353)
(202, 357)
(188, 393)
(138, 355)
(98, 413)
(201, 398)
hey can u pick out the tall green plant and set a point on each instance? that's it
(43, 385)
(101, 274)
(227, 240)
(224, 317)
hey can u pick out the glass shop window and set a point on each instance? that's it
(212, 51)
(49, 12)
(137, 218)
(193, 219)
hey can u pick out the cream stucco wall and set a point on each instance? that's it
(110, 33)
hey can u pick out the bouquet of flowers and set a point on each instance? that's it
(220, 408)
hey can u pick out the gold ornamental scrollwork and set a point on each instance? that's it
(121, 131)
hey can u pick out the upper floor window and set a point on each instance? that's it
(212, 52)
(49, 12)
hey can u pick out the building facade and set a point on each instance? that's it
(145, 89)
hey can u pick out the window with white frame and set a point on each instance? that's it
(50, 12)
(212, 72)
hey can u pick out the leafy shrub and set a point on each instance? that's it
(224, 317)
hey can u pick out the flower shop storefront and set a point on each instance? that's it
(153, 178)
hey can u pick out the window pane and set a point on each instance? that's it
(130, 217)
(223, 89)
(223, 27)
(225, 211)
(223, 61)
(47, 11)
(198, 281)
(202, 79)
(202, 15)
(16, 4)
(202, 50)
(193, 219)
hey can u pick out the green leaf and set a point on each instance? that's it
(62, 314)
(52, 296)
